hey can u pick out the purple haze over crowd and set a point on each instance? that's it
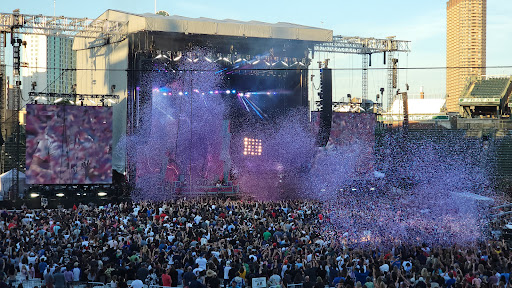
(183, 135)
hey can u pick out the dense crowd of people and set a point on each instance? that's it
(210, 242)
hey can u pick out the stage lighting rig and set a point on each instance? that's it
(252, 147)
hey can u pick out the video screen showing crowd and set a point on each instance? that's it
(68, 144)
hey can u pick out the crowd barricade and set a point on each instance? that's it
(95, 285)
(29, 283)
(203, 189)
(158, 286)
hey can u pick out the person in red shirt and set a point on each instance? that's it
(11, 225)
(470, 277)
(166, 279)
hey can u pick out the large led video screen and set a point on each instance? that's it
(68, 144)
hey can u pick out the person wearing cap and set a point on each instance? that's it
(211, 280)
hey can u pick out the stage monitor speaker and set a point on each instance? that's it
(325, 94)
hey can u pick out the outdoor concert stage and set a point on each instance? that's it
(158, 52)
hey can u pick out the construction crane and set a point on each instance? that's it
(17, 24)
(366, 47)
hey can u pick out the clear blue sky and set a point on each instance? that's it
(422, 22)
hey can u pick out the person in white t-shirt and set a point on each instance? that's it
(137, 284)
(201, 261)
(384, 268)
(76, 273)
(226, 273)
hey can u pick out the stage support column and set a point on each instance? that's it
(226, 143)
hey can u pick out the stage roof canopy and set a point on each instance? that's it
(226, 27)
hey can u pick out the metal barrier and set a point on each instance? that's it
(36, 282)
(201, 188)
(29, 283)
(95, 285)
(158, 286)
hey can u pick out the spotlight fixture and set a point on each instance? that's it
(34, 195)
(59, 194)
(102, 194)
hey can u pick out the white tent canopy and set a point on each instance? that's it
(6, 182)
(419, 106)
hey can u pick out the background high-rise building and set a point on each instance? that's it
(50, 63)
(465, 46)
(33, 58)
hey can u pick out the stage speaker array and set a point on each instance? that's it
(325, 94)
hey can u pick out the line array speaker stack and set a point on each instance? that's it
(325, 95)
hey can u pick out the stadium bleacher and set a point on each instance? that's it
(486, 98)
(490, 88)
